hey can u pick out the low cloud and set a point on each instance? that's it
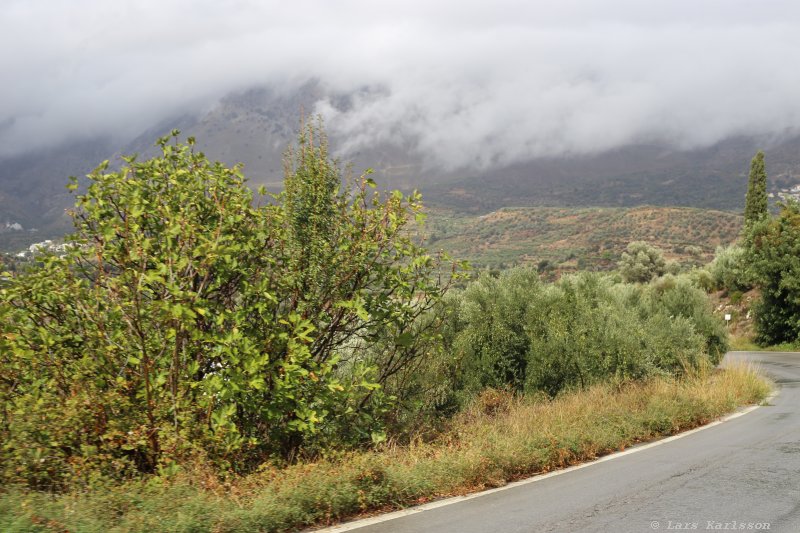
(465, 83)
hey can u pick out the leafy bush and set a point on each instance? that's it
(186, 320)
(775, 255)
(702, 279)
(672, 267)
(641, 262)
(488, 329)
(730, 269)
(676, 296)
(581, 334)
(515, 332)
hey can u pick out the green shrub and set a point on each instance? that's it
(641, 262)
(580, 334)
(185, 320)
(702, 279)
(517, 333)
(730, 269)
(774, 246)
(675, 296)
(488, 332)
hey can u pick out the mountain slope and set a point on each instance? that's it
(714, 178)
(584, 238)
(255, 127)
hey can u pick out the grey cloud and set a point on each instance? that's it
(466, 83)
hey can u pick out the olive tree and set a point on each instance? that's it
(641, 262)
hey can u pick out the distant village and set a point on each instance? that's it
(42, 247)
(45, 246)
(791, 193)
(11, 226)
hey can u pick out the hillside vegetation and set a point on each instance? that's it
(580, 238)
(499, 438)
(254, 126)
(196, 344)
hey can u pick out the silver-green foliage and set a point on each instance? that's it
(519, 333)
(730, 268)
(641, 262)
(678, 297)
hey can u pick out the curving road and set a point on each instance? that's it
(743, 474)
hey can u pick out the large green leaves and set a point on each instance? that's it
(189, 318)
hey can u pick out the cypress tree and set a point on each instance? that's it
(755, 207)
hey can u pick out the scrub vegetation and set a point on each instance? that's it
(568, 239)
(499, 437)
(201, 358)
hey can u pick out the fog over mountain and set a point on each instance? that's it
(459, 85)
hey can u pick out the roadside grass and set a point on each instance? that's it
(499, 439)
(745, 344)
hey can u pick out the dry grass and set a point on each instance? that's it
(499, 439)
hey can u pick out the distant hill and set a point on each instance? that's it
(714, 178)
(33, 191)
(255, 127)
(579, 238)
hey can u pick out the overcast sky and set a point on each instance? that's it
(472, 82)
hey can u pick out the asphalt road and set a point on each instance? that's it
(743, 474)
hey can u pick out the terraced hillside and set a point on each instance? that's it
(579, 238)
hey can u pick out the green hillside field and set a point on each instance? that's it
(579, 238)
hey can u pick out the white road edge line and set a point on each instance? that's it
(364, 522)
